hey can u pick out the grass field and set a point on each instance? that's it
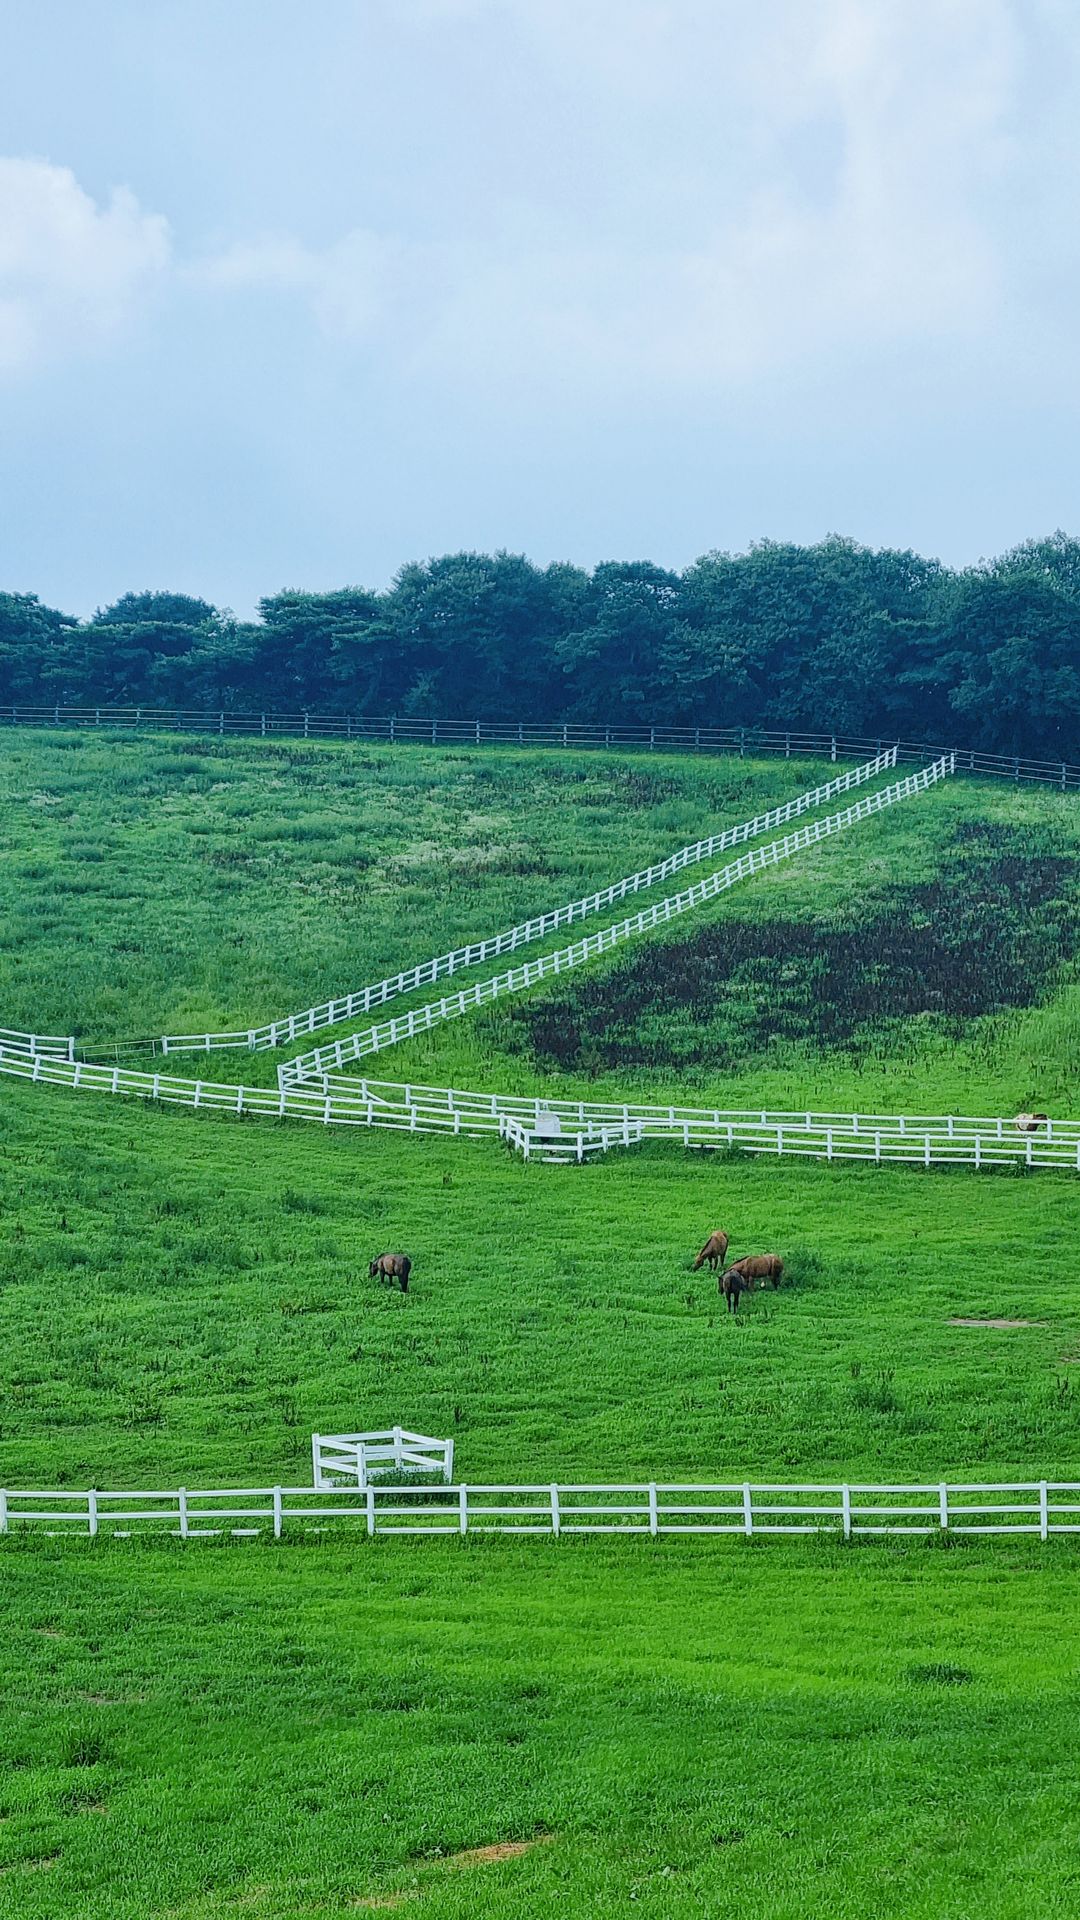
(699, 1728)
(314, 1730)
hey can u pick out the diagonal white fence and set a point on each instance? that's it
(358, 1046)
(557, 1130)
(331, 1013)
(1040, 1509)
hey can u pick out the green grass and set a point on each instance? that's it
(189, 1299)
(700, 1730)
(174, 886)
(703, 1727)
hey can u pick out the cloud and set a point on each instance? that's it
(818, 179)
(350, 287)
(697, 198)
(73, 274)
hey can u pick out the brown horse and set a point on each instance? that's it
(760, 1269)
(732, 1288)
(392, 1266)
(713, 1251)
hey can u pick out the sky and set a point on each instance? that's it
(291, 295)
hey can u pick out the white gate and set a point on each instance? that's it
(350, 1459)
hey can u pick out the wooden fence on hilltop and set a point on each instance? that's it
(641, 736)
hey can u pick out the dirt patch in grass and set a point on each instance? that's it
(986, 935)
(996, 1323)
(501, 1850)
(457, 1863)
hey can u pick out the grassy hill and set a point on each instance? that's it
(701, 1727)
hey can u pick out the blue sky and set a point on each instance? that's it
(290, 295)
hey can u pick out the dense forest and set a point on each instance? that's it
(833, 637)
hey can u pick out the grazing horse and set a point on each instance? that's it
(765, 1269)
(732, 1288)
(392, 1266)
(1030, 1122)
(713, 1251)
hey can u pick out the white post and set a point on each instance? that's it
(371, 1509)
(277, 1513)
(448, 1463)
(845, 1500)
(943, 1505)
(556, 1518)
(398, 1445)
(3, 1510)
(315, 1440)
(463, 1509)
(91, 1513)
(181, 1502)
(1044, 1511)
(654, 1517)
(748, 1509)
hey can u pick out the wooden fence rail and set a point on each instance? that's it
(398, 730)
(1043, 1509)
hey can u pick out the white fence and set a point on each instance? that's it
(51, 1045)
(354, 1457)
(358, 1046)
(349, 1006)
(920, 1139)
(1038, 1508)
(557, 1130)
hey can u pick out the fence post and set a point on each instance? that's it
(182, 1510)
(315, 1442)
(1044, 1511)
(654, 1516)
(3, 1510)
(832, 755)
(943, 1505)
(748, 1508)
(221, 723)
(91, 1513)
(398, 1446)
(277, 1513)
(463, 1509)
(370, 1494)
(845, 1499)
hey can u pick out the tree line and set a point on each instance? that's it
(828, 638)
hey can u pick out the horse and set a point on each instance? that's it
(713, 1251)
(766, 1268)
(392, 1266)
(732, 1288)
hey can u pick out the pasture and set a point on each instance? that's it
(301, 1730)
